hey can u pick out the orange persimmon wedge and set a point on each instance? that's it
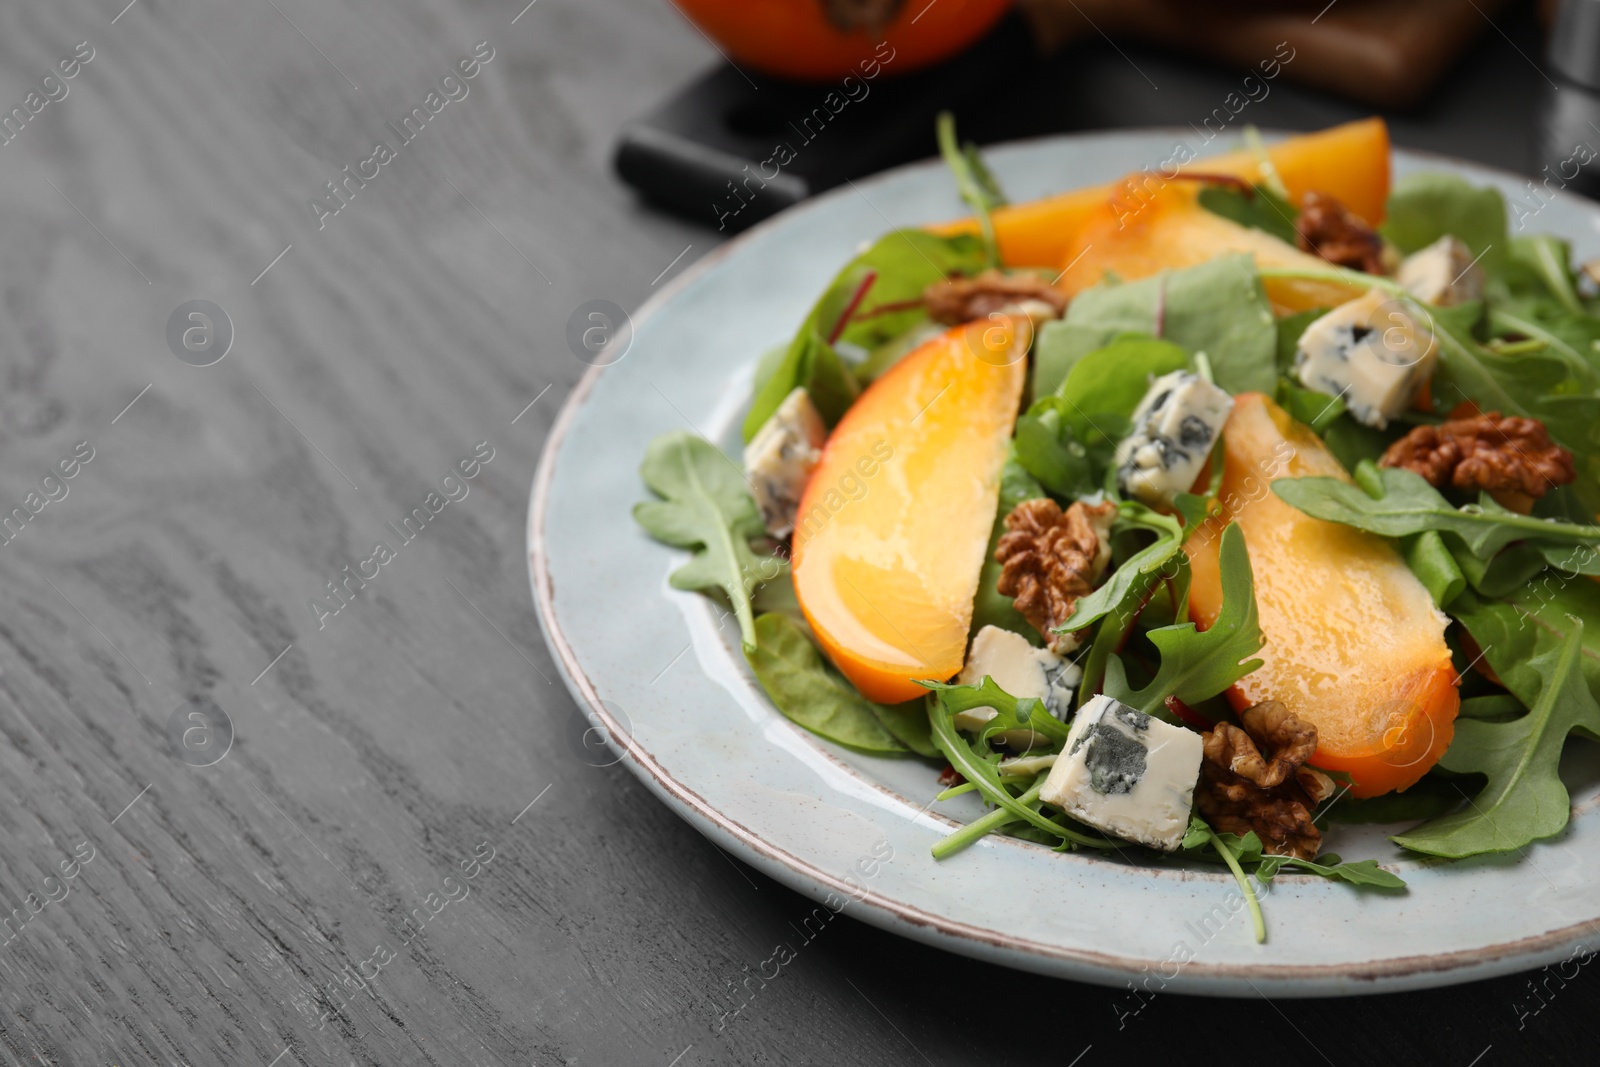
(895, 520)
(1353, 641)
(1348, 162)
(1171, 230)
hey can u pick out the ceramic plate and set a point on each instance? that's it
(661, 673)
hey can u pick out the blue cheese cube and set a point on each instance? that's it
(1373, 352)
(1174, 427)
(1127, 774)
(1444, 274)
(780, 458)
(1022, 671)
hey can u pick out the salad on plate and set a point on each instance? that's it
(1184, 517)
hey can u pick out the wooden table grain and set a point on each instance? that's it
(286, 775)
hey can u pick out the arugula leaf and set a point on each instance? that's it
(980, 771)
(1356, 872)
(1254, 206)
(1548, 259)
(811, 694)
(1425, 207)
(706, 507)
(1525, 799)
(1198, 664)
(1131, 579)
(973, 180)
(1217, 307)
(1434, 567)
(1290, 329)
(1409, 505)
(874, 299)
(1232, 850)
(1510, 631)
(1011, 713)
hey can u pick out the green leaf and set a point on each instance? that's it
(1316, 410)
(1434, 567)
(1255, 207)
(1409, 505)
(1549, 260)
(875, 299)
(1099, 394)
(1290, 329)
(1011, 713)
(1425, 207)
(1428, 798)
(1132, 579)
(1047, 448)
(980, 771)
(1217, 307)
(1525, 799)
(811, 694)
(706, 507)
(1198, 664)
(1356, 872)
(974, 181)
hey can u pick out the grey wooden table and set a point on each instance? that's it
(238, 826)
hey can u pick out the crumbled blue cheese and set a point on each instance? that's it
(1127, 774)
(1022, 671)
(780, 458)
(1174, 427)
(1373, 352)
(1444, 274)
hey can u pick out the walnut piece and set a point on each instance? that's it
(1050, 558)
(1513, 458)
(1256, 779)
(1329, 230)
(957, 300)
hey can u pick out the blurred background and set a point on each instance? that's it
(1504, 83)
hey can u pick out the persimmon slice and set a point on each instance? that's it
(895, 521)
(1353, 641)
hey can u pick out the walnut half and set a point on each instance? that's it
(1049, 558)
(957, 300)
(1329, 230)
(1513, 459)
(1256, 779)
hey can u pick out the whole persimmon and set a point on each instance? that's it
(824, 40)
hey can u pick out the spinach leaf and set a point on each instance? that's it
(876, 298)
(1111, 382)
(974, 181)
(1048, 449)
(1525, 799)
(1409, 505)
(1254, 206)
(1217, 307)
(1198, 664)
(811, 694)
(706, 507)
(1356, 872)
(1290, 329)
(1425, 207)
(1316, 410)
(1429, 797)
